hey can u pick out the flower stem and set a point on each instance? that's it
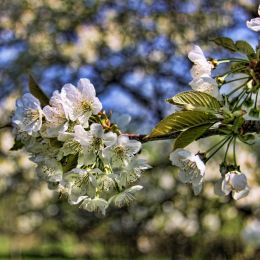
(230, 141)
(226, 82)
(215, 145)
(234, 151)
(236, 89)
(226, 140)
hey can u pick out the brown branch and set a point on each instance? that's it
(249, 126)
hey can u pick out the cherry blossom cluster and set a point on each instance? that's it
(78, 151)
(192, 167)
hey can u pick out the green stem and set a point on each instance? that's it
(215, 145)
(234, 151)
(236, 89)
(232, 60)
(226, 82)
(230, 141)
(227, 138)
(256, 97)
(240, 96)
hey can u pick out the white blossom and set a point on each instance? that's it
(81, 184)
(201, 73)
(132, 172)
(254, 24)
(192, 168)
(56, 115)
(201, 65)
(98, 205)
(48, 169)
(81, 101)
(125, 197)
(121, 151)
(92, 142)
(235, 182)
(28, 114)
(205, 84)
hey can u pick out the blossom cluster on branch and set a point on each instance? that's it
(80, 153)
(77, 149)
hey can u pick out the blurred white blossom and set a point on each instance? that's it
(254, 24)
(192, 168)
(235, 182)
(28, 114)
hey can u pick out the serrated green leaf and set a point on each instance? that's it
(226, 43)
(17, 145)
(191, 134)
(245, 48)
(196, 99)
(37, 92)
(181, 120)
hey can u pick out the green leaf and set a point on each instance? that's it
(37, 92)
(69, 162)
(17, 145)
(181, 120)
(246, 48)
(239, 67)
(196, 99)
(191, 134)
(226, 43)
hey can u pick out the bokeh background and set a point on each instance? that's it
(135, 53)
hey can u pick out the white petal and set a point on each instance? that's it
(96, 106)
(254, 24)
(87, 89)
(110, 138)
(97, 130)
(185, 177)
(196, 54)
(82, 136)
(197, 189)
(218, 188)
(133, 147)
(225, 186)
(240, 194)
(238, 181)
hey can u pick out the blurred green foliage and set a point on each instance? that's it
(55, 39)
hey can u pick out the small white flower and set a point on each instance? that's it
(192, 168)
(201, 73)
(82, 101)
(125, 197)
(205, 84)
(48, 169)
(81, 184)
(132, 172)
(92, 142)
(98, 205)
(56, 115)
(201, 65)
(235, 182)
(254, 24)
(121, 151)
(28, 114)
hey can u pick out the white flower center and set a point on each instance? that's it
(30, 116)
(86, 106)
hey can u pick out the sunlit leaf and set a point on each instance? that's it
(181, 121)
(196, 99)
(191, 134)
